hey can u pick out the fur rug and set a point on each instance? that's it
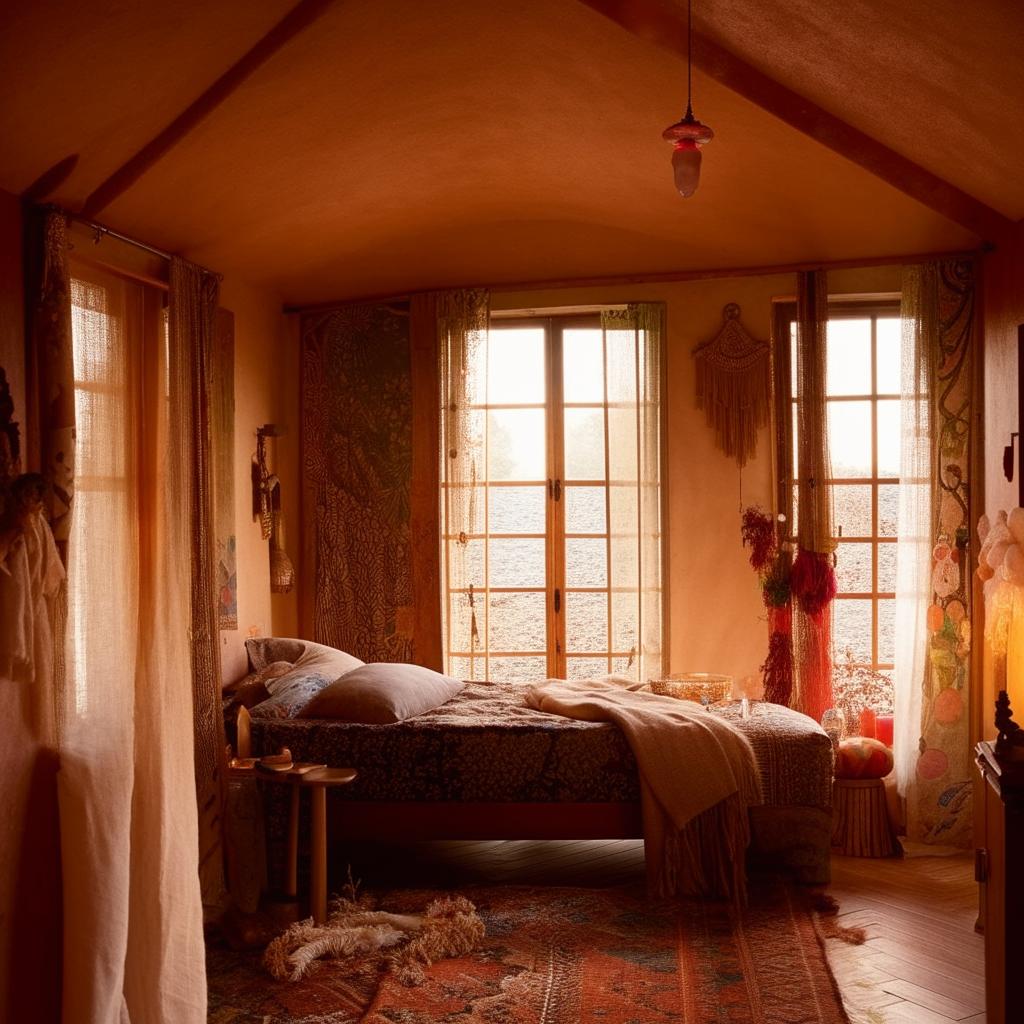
(371, 940)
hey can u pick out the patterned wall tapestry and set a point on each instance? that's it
(939, 801)
(357, 428)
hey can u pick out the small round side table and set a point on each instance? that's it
(316, 781)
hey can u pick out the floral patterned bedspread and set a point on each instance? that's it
(486, 744)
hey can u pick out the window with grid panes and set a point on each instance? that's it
(863, 422)
(550, 587)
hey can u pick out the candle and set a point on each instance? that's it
(867, 722)
(883, 729)
(244, 744)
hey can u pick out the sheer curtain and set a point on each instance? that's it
(919, 313)
(633, 339)
(462, 321)
(133, 940)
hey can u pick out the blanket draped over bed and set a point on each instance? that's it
(698, 778)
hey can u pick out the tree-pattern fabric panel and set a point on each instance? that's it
(357, 475)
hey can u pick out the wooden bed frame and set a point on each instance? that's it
(413, 821)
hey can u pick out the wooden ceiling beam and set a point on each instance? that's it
(50, 180)
(300, 17)
(664, 25)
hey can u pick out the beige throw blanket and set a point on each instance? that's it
(698, 777)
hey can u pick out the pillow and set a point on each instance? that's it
(382, 693)
(314, 667)
(863, 758)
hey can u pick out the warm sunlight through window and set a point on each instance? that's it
(863, 417)
(550, 585)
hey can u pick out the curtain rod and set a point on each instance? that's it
(655, 278)
(102, 231)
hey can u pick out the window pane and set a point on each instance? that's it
(852, 510)
(586, 622)
(625, 667)
(466, 668)
(853, 568)
(517, 670)
(516, 446)
(517, 509)
(466, 564)
(888, 509)
(849, 438)
(583, 365)
(887, 568)
(585, 668)
(515, 366)
(585, 510)
(848, 357)
(851, 629)
(889, 438)
(460, 624)
(889, 338)
(518, 622)
(887, 630)
(625, 621)
(586, 562)
(517, 562)
(584, 444)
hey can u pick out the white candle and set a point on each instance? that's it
(244, 744)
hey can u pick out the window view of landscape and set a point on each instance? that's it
(535, 578)
(863, 417)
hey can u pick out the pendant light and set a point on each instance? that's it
(688, 135)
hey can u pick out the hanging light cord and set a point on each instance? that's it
(689, 60)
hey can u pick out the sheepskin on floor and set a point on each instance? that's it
(401, 944)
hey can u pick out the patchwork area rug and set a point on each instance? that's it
(561, 956)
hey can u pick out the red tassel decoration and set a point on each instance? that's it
(812, 580)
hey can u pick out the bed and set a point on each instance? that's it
(485, 765)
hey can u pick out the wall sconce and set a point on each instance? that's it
(266, 506)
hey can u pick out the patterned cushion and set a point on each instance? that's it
(863, 758)
(314, 667)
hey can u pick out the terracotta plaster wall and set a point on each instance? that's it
(30, 936)
(716, 619)
(266, 391)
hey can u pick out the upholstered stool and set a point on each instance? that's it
(861, 825)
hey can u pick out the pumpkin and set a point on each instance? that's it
(863, 758)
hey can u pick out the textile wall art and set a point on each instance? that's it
(357, 446)
(734, 386)
(939, 801)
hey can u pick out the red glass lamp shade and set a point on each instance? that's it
(687, 137)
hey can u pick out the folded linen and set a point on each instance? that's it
(698, 779)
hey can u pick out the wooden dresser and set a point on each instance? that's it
(1000, 872)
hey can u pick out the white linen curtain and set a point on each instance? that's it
(462, 323)
(919, 313)
(633, 339)
(133, 939)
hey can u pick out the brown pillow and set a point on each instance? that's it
(382, 693)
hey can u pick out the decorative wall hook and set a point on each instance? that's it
(266, 503)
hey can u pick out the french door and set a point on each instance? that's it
(549, 582)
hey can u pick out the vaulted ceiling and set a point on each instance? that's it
(398, 144)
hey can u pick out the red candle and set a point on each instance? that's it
(867, 722)
(883, 729)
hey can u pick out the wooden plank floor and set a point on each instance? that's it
(922, 962)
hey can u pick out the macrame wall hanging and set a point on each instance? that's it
(734, 386)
